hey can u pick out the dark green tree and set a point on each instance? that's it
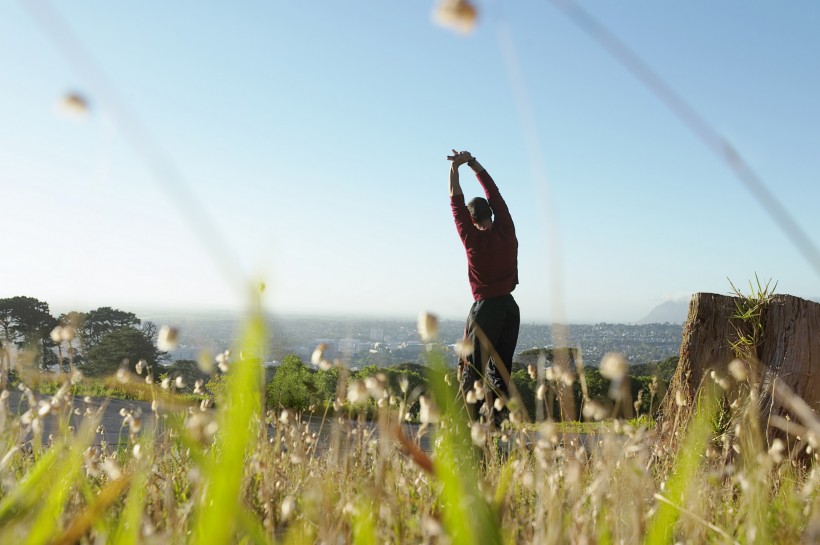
(102, 321)
(26, 322)
(126, 344)
(325, 384)
(292, 385)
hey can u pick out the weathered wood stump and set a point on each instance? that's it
(789, 352)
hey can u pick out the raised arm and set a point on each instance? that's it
(459, 158)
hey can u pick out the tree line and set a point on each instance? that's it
(97, 342)
(101, 341)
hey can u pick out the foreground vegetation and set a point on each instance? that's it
(240, 474)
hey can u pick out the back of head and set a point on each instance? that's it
(480, 209)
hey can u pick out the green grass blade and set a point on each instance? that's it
(686, 467)
(219, 510)
(467, 516)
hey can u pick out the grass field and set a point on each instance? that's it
(221, 477)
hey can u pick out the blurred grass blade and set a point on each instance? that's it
(687, 464)
(219, 510)
(83, 523)
(130, 522)
(364, 525)
(58, 485)
(467, 516)
(28, 492)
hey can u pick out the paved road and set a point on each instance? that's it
(112, 428)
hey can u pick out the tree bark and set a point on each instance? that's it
(789, 352)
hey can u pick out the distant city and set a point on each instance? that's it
(385, 342)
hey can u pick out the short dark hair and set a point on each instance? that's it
(480, 209)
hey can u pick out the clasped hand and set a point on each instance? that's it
(459, 157)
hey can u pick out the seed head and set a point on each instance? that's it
(318, 354)
(614, 367)
(357, 392)
(776, 450)
(73, 105)
(375, 387)
(738, 370)
(223, 359)
(428, 327)
(464, 348)
(479, 390)
(459, 15)
(287, 508)
(168, 338)
(594, 411)
(478, 433)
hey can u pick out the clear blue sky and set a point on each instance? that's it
(314, 136)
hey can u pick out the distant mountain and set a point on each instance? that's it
(673, 312)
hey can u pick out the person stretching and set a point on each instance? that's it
(492, 269)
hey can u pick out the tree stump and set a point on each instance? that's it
(789, 352)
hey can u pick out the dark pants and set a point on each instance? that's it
(498, 318)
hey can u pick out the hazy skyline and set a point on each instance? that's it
(314, 138)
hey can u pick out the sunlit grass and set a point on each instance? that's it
(239, 474)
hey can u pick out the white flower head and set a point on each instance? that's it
(287, 508)
(614, 367)
(478, 433)
(223, 359)
(375, 387)
(458, 15)
(318, 354)
(464, 348)
(594, 411)
(428, 412)
(479, 390)
(357, 392)
(67, 333)
(73, 105)
(738, 370)
(776, 450)
(428, 327)
(168, 338)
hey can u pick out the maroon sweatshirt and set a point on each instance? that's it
(492, 255)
